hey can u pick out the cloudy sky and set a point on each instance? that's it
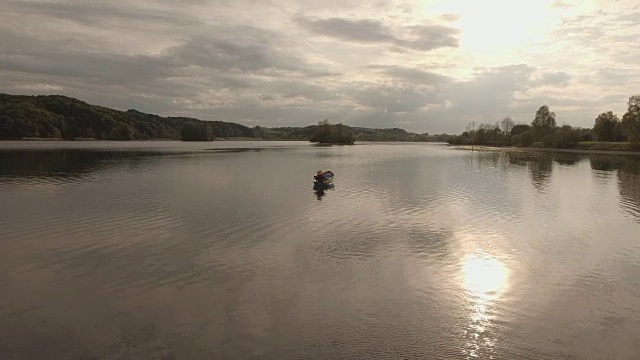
(426, 66)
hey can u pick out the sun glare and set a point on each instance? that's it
(484, 276)
(493, 29)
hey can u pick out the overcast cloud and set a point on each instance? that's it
(426, 66)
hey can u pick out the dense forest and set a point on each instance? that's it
(61, 117)
(67, 118)
(608, 132)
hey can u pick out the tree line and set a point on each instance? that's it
(544, 130)
(67, 118)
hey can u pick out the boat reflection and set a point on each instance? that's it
(319, 189)
(484, 279)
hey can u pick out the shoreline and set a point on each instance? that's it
(34, 139)
(159, 139)
(542, 149)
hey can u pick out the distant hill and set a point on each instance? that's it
(68, 118)
(56, 116)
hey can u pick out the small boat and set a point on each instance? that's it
(323, 180)
(324, 177)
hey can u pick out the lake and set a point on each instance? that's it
(171, 250)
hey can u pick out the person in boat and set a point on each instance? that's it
(319, 176)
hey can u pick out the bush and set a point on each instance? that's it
(523, 139)
(122, 131)
(459, 140)
(565, 138)
(548, 140)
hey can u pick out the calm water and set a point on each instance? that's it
(169, 250)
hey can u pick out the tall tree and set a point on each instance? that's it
(605, 126)
(631, 120)
(544, 123)
(506, 125)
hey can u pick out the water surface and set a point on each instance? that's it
(222, 250)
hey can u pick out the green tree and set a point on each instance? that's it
(631, 120)
(566, 137)
(343, 135)
(544, 123)
(122, 132)
(519, 129)
(322, 133)
(605, 126)
(196, 131)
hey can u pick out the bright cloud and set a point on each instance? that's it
(422, 65)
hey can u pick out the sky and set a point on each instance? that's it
(425, 66)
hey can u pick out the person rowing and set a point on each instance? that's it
(319, 176)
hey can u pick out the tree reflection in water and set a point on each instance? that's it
(65, 163)
(627, 169)
(540, 168)
(629, 186)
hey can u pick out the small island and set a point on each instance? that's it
(327, 133)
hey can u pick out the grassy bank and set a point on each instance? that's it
(607, 146)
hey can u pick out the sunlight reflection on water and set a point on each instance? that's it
(484, 278)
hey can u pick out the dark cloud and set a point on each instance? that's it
(366, 31)
(431, 37)
(32, 55)
(243, 49)
(246, 54)
(301, 89)
(253, 51)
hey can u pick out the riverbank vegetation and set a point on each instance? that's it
(608, 132)
(61, 117)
